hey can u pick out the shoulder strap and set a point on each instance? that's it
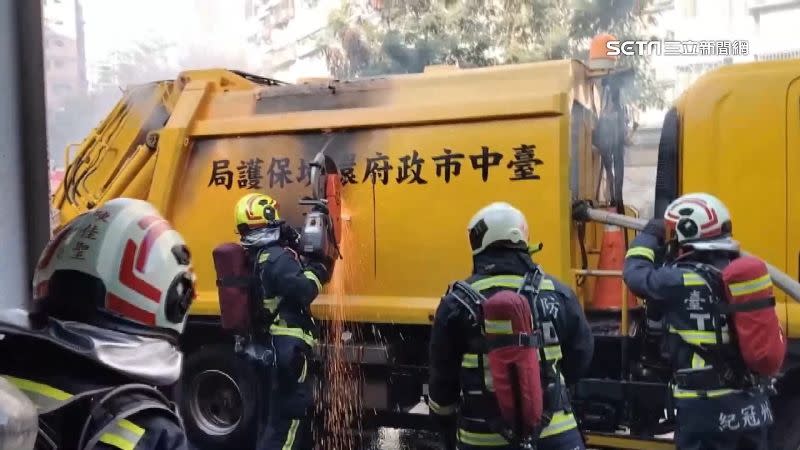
(716, 286)
(257, 263)
(710, 274)
(258, 292)
(752, 305)
(470, 298)
(722, 306)
(717, 355)
(530, 287)
(47, 408)
(47, 438)
(106, 418)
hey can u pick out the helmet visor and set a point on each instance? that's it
(180, 295)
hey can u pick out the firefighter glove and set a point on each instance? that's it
(655, 227)
(320, 270)
(289, 235)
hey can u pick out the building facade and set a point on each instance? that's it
(214, 36)
(766, 26)
(64, 51)
(286, 36)
(775, 23)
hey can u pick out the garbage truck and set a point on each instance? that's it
(417, 155)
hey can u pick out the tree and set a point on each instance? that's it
(406, 35)
(627, 20)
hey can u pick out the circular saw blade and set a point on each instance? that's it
(317, 176)
(321, 166)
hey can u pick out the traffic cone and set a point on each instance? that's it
(608, 290)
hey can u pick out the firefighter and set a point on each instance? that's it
(498, 236)
(111, 295)
(718, 405)
(288, 286)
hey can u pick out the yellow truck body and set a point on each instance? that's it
(419, 155)
(413, 147)
(739, 139)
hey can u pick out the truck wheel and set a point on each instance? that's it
(785, 432)
(218, 397)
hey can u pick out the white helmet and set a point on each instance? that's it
(700, 221)
(498, 222)
(121, 266)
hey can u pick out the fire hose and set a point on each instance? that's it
(583, 212)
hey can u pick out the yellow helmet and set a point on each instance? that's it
(255, 211)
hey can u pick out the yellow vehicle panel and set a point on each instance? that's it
(793, 200)
(472, 136)
(403, 238)
(734, 145)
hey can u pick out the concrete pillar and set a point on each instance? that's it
(24, 198)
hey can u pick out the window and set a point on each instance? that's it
(281, 13)
(58, 42)
(57, 63)
(59, 22)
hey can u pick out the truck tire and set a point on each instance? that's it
(217, 397)
(785, 432)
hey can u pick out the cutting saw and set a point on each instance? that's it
(322, 230)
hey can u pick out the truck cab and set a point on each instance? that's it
(736, 133)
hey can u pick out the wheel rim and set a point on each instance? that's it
(216, 402)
